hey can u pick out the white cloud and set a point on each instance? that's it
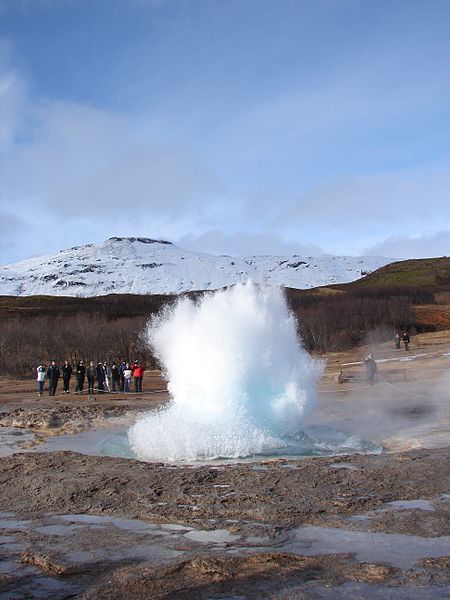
(85, 160)
(359, 209)
(422, 246)
(242, 243)
(12, 99)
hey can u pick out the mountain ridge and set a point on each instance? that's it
(140, 265)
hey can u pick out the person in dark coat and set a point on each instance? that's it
(406, 340)
(91, 373)
(115, 377)
(81, 374)
(53, 374)
(101, 375)
(122, 367)
(66, 374)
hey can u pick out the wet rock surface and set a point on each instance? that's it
(63, 417)
(101, 527)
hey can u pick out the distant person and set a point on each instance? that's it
(127, 374)
(53, 374)
(122, 367)
(397, 341)
(138, 374)
(115, 377)
(40, 377)
(107, 373)
(81, 374)
(66, 375)
(406, 340)
(100, 378)
(91, 372)
(371, 368)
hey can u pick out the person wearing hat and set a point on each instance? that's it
(81, 373)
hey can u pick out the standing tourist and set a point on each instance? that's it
(91, 372)
(40, 376)
(122, 368)
(115, 377)
(127, 374)
(100, 378)
(53, 373)
(406, 340)
(397, 340)
(371, 368)
(138, 374)
(81, 373)
(107, 373)
(66, 374)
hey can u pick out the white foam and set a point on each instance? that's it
(238, 377)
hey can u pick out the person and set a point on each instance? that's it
(127, 374)
(66, 374)
(138, 374)
(406, 340)
(371, 368)
(81, 374)
(106, 371)
(397, 340)
(122, 368)
(91, 372)
(53, 374)
(115, 377)
(100, 378)
(40, 376)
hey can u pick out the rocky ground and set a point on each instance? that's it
(355, 526)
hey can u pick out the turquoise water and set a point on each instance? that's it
(317, 441)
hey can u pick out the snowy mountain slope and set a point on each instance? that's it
(146, 266)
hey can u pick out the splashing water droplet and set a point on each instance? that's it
(239, 380)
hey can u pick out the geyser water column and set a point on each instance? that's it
(240, 383)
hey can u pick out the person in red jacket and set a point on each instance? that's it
(138, 374)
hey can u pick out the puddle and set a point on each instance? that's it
(216, 536)
(343, 466)
(397, 550)
(56, 529)
(413, 504)
(362, 591)
(13, 439)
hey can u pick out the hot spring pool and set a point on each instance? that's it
(316, 441)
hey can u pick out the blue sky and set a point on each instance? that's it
(232, 126)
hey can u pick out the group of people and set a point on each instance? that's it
(117, 378)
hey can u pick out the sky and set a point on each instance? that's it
(226, 126)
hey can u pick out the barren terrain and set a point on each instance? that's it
(348, 526)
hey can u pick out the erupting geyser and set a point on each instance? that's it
(240, 382)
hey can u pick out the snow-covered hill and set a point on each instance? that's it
(146, 266)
